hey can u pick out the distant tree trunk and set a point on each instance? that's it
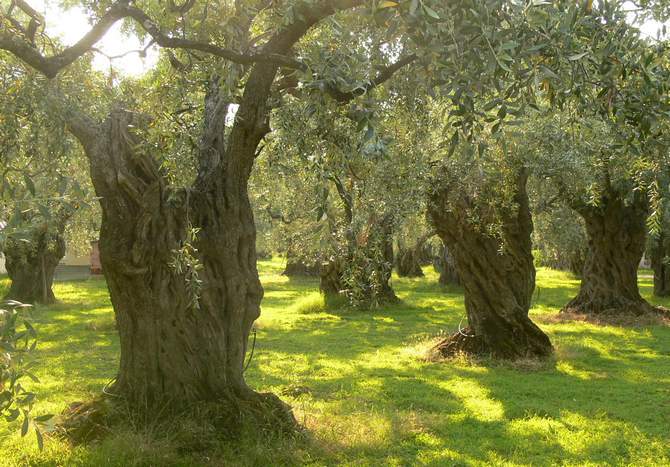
(617, 235)
(363, 271)
(445, 265)
(384, 268)
(408, 261)
(31, 265)
(296, 266)
(498, 286)
(659, 253)
(364, 276)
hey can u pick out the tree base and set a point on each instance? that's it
(261, 414)
(466, 343)
(613, 307)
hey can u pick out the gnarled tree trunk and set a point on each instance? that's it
(184, 304)
(617, 235)
(31, 264)
(498, 285)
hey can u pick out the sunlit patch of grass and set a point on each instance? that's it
(362, 387)
(309, 304)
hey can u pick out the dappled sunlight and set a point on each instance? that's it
(475, 399)
(361, 384)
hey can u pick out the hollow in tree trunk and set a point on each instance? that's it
(616, 231)
(498, 285)
(31, 262)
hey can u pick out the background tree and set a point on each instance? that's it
(559, 237)
(40, 188)
(605, 184)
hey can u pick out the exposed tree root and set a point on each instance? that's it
(262, 414)
(465, 342)
(613, 307)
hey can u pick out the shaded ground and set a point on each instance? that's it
(72, 273)
(359, 384)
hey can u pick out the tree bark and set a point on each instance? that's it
(331, 281)
(498, 285)
(659, 254)
(31, 265)
(184, 304)
(617, 234)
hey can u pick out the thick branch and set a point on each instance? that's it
(51, 66)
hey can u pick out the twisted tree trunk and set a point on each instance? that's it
(184, 304)
(498, 285)
(617, 234)
(31, 264)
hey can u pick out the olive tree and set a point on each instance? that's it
(180, 261)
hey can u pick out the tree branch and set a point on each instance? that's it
(384, 75)
(51, 66)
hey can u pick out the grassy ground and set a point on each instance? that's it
(372, 400)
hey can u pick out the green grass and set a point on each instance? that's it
(373, 400)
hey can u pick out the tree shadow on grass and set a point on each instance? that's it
(371, 399)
